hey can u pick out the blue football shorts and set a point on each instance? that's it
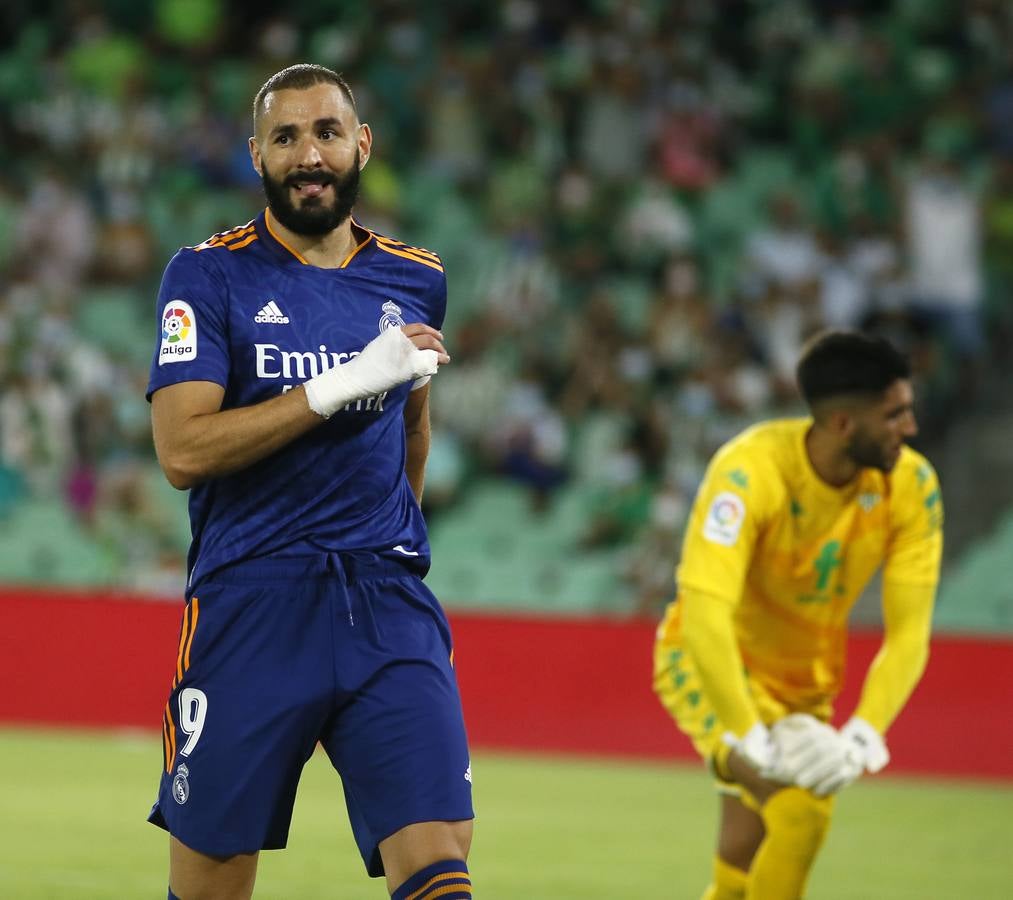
(348, 650)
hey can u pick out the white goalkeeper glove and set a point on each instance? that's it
(385, 362)
(838, 758)
(808, 752)
(864, 751)
(756, 746)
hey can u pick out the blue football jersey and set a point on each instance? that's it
(247, 312)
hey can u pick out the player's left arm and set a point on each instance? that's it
(910, 576)
(901, 660)
(417, 432)
(828, 763)
(416, 411)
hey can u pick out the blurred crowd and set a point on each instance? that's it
(644, 209)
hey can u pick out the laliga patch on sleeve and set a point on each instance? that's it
(724, 519)
(179, 333)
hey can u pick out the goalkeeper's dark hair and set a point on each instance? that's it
(844, 365)
(299, 77)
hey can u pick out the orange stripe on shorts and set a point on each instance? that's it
(195, 604)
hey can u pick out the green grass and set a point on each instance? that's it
(72, 808)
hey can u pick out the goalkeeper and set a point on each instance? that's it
(791, 522)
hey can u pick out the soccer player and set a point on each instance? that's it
(289, 394)
(792, 520)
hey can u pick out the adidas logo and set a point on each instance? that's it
(271, 314)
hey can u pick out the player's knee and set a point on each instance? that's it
(197, 876)
(418, 846)
(740, 833)
(461, 833)
(798, 816)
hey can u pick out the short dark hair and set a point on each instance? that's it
(840, 363)
(299, 77)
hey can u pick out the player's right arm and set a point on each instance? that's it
(728, 514)
(195, 439)
(709, 635)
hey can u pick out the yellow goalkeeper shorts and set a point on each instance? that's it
(678, 687)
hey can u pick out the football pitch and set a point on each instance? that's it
(72, 808)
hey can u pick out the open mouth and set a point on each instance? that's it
(309, 188)
(309, 185)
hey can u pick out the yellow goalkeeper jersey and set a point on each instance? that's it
(794, 553)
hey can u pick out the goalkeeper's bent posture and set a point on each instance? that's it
(791, 522)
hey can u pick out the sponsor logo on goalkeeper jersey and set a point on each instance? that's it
(868, 501)
(271, 314)
(179, 333)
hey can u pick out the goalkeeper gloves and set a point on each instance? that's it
(864, 751)
(385, 362)
(814, 756)
(756, 747)
(809, 752)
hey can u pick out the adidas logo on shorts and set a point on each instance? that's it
(271, 314)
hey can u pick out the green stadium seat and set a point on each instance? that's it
(112, 318)
(495, 552)
(976, 594)
(44, 544)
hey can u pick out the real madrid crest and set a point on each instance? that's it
(391, 317)
(180, 785)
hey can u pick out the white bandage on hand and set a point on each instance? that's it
(385, 362)
(756, 747)
(808, 752)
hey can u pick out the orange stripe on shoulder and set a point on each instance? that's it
(236, 233)
(406, 255)
(207, 245)
(224, 238)
(243, 243)
(401, 245)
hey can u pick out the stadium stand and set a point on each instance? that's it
(618, 306)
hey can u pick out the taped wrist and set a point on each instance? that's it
(386, 361)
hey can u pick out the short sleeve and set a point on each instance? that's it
(737, 497)
(915, 550)
(438, 303)
(191, 340)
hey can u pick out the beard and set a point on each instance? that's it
(313, 216)
(868, 454)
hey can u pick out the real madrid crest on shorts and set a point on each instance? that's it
(391, 317)
(180, 786)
